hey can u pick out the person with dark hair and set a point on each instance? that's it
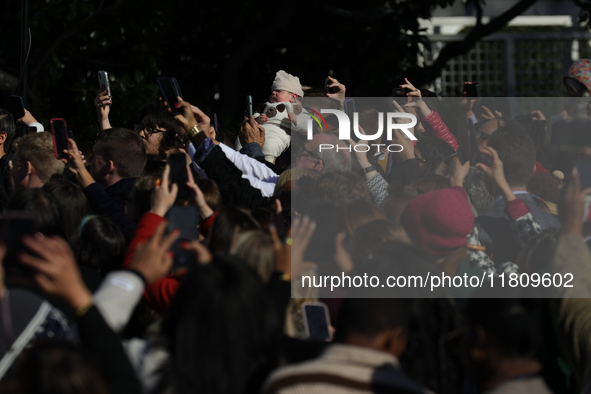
(235, 350)
(30, 318)
(428, 182)
(433, 155)
(7, 134)
(478, 195)
(43, 207)
(501, 343)
(229, 223)
(55, 367)
(56, 273)
(517, 152)
(100, 245)
(118, 159)
(159, 294)
(71, 202)
(157, 128)
(371, 336)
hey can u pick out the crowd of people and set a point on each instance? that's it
(107, 293)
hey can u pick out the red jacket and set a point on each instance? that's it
(159, 294)
(438, 129)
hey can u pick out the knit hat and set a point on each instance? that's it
(439, 221)
(287, 82)
(581, 71)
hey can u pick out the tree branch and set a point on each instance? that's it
(92, 18)
(458, 48)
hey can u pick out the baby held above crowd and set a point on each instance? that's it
(282, 114)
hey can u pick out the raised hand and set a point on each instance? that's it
(153, 259)
(164, 194)
(57, 271)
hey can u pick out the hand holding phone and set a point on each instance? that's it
(316, 321)
(16, 107)
(249, 111)
(169, 94)
(185, 219)
(103, 78)
(470, 89)
(327, 89)
(15, 225)
(60, 137)
(178, 175)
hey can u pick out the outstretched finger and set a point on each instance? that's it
(157, 236)
(169, 240)
(165, 175)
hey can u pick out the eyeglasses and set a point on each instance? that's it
(306, 152)
(138, 127)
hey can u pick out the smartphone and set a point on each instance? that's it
(177, 88)
(470, 89)
(169, 94)
(178, 175)
(214, 123)
(59, 131)
(16, 107)
(186, 220)
(249, 112)
(327, 90)
(15, 225)
(103, 78)
(316, 321)
(321, 248)
(400, 92)
(349, 106)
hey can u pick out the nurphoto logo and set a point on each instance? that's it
(345, 129)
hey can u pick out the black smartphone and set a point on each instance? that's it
(316, 321)
(349, 106)
(16, 107)
(186, 220)
(169, 94)
(327, 90)
(214, 123)
(249, 111)
(321, 248)
(15, 225)
(178, 175)
(470, 89)
(177, 88)
(400, 92)
(59, 132)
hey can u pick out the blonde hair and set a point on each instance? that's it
(37, 148)
(255, 247)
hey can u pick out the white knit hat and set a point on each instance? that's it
(287, 82)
